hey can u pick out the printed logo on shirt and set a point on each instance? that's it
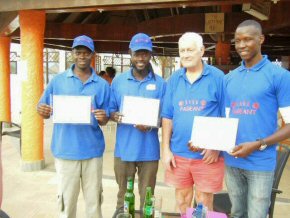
(244, 107)
(151, 87)
(192, 105)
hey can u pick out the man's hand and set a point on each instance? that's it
(100, 116)
(116, 116)
(44, 110)
(210, 156)
(143, 128)
(168, 159)
(245, 149)
(193, 147)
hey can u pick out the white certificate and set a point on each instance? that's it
(214, 133)
(139, 110)
(72, 109)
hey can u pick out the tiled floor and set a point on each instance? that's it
(33, 194)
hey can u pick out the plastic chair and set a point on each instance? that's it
(15, 132)
(3, 214)
(222, 201)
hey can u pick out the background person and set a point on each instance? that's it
(109, 74)
(101, 73)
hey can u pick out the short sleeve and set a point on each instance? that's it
(221, 97)
(282, 82)
(113, 104)
(167, 106)
(46, 97)
(105, 105)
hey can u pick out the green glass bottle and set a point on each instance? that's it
(129, 198)
(148, 204)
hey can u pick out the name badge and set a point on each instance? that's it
(151, 87)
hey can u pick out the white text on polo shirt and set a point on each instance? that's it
(192, 105)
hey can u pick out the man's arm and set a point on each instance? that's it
(209, 156)
(44, 110)
(101, 116)
(245, 149)
(101, 112)
(167, 156)
(44, 106)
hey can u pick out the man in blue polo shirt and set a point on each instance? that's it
(78, 148)
(137, 147)
(195, 90)
(255, 92)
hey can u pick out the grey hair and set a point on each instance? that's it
(191, 36)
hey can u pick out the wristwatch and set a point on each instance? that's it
(263, 145)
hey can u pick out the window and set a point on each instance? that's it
(13, 62)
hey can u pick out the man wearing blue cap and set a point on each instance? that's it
(137, 146)
(78, 149)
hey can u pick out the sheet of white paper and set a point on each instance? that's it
(72, 109)
(214, 133)
(138, 110)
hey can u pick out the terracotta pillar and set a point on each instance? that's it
(222, 53)
(93, 62)
(5, 112)
(1, 169)
(32, 25)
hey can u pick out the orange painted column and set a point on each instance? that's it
(32, 25)
(93, 62)
(5, 112)
(222, 53)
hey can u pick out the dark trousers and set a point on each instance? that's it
(146, 170)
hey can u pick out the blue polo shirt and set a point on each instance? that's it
(131, 143)
(184, 100)
(254, 96)
(78, 141)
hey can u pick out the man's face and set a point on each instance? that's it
(82, 57)
(248, 42)
(140, 59)
(190, 54)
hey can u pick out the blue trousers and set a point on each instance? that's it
(249, 191)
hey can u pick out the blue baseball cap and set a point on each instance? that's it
(84, 41)
(140, 41)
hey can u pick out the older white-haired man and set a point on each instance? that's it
(194, 90)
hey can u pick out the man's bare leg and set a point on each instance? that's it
(183, 198)
(205, 198)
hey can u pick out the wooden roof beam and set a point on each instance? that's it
(156, 28)
(279, 17)
(87, 5)
(9, 22)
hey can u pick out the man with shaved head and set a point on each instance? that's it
(254, 92)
